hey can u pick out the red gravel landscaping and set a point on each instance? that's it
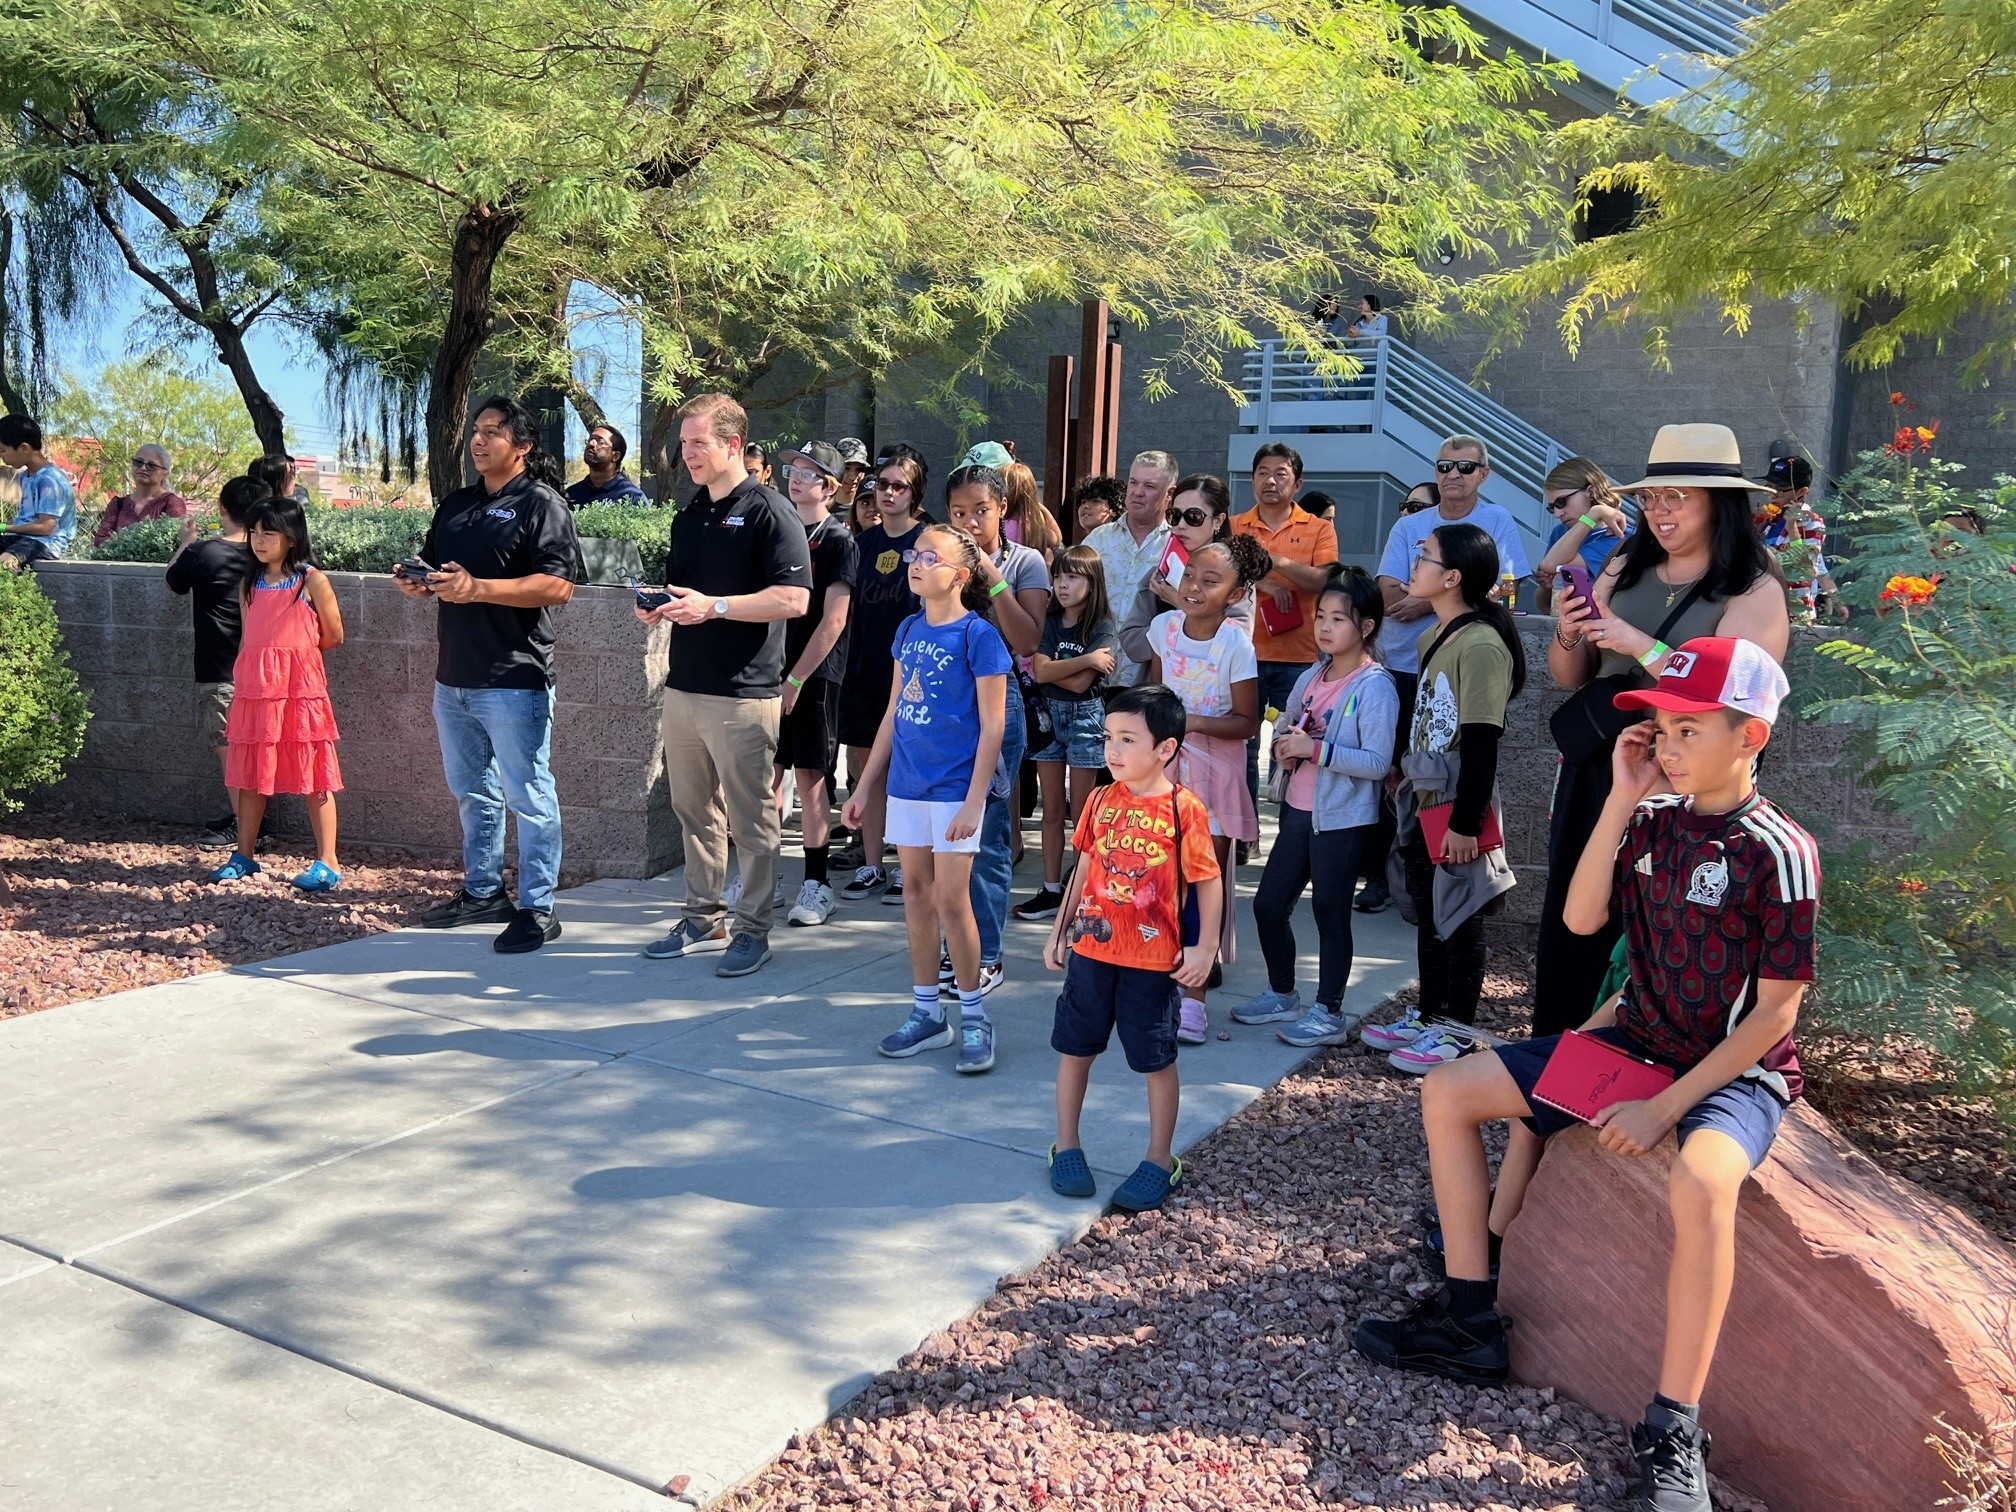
(101, 905)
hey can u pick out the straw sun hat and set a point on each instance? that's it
(1694, 456)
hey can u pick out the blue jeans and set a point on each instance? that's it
(994, 868)
(494, 744)
(1277, 681)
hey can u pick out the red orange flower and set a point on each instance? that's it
(1908, 591)
(1910, 885)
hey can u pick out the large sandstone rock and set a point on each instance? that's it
(1863, 1310)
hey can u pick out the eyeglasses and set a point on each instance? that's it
(1421, 555)
(1446, 467)
(1662, 498)
(1562, 502)
(1191, 517)
(925, 558)
(891, 485)
(140, 466)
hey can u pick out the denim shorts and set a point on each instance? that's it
(1746, 1110)
(1099, 996)
(1080, 732)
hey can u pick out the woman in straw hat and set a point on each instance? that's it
(1694, 567)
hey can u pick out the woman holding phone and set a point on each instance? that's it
(1199, 512)
(1694, 567)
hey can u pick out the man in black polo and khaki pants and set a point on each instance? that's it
(737, 569)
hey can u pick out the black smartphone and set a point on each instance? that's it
(413, 569)
(651, 598)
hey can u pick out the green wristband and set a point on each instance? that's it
(1590, 523)
(1653, 652)
(998, 589)
(795, 682)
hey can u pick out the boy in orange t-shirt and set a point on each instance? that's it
(1128, 940)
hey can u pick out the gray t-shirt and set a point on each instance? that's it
(1062, 642)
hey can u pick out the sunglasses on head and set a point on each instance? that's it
(1446, 467)
(1193, 517)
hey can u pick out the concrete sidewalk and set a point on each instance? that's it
(403, 1223)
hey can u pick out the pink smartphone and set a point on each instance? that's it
(1575, 576)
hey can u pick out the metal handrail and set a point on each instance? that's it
(1705, 26)
(1393, 373)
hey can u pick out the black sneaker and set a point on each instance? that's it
(1672, 1455)
(1042, 904)
(466, 908)
(218, 834)
(528, 930)
(1434, 1341)
(1373, 897)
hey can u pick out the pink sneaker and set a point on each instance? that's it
(1436, 1047)
(1195, 1025)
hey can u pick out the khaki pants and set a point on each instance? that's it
(719, 754)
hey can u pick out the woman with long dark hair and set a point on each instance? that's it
(1199, 512)
(1693, 567)
(1472, 667)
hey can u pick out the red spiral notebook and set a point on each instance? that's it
(1435, 829)
(1585, 1075)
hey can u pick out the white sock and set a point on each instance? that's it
(969, 1004)
(927, 1000)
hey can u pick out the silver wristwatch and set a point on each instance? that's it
(721, 608)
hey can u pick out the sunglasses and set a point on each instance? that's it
(1192, 517)
(926, 558)
(1446, 467)
(891, 485)
(1562, 503)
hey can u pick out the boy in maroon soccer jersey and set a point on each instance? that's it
(1718, 892)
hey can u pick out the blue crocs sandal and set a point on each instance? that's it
(319, 878)
(1070, 1176)
(1148, 1188)
(237, 868)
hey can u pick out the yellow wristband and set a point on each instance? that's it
(998, 589)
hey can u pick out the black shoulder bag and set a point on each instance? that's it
(1588, 724)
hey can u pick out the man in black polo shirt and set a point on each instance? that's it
(503, 553)
(737, 569)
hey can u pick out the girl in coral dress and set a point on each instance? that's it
(281, 730)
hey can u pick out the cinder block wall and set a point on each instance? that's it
(130, 642)
(129, 639)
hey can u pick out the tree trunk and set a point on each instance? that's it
(479, 239)
(268, 424)
(12, 399)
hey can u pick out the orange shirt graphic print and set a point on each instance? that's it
(1128, 915)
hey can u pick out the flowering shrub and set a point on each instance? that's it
(1922, 938)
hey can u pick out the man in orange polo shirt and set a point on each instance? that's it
(1304, 549)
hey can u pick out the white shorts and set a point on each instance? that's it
(920, 823)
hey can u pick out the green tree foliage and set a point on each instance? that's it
(363, 539)
(42, 710)
(1860, 150)
(851, 181)
(156, 399)
(1922, 938)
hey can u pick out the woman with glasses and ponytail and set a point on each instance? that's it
(1199, 512)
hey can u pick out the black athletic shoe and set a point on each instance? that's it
(466, 908)
(1042, 904)
(1373, 897)
(218, 834)
(1672, 1455)
(528, 930)
(1434, 1341)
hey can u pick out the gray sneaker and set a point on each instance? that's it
(976, 1046)
(1270, 1008)
(688, 939)
(746, 953)
(1316, 1027)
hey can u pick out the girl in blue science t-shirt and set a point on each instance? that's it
(936, 749)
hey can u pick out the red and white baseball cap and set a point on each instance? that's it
(1715, 672)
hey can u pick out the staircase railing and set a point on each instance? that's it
(1395, 377)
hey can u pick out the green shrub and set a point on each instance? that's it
(650, 528)
(42, 710)
(1924, 942)
(364, 539)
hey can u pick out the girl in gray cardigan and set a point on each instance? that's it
(1333, 744)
